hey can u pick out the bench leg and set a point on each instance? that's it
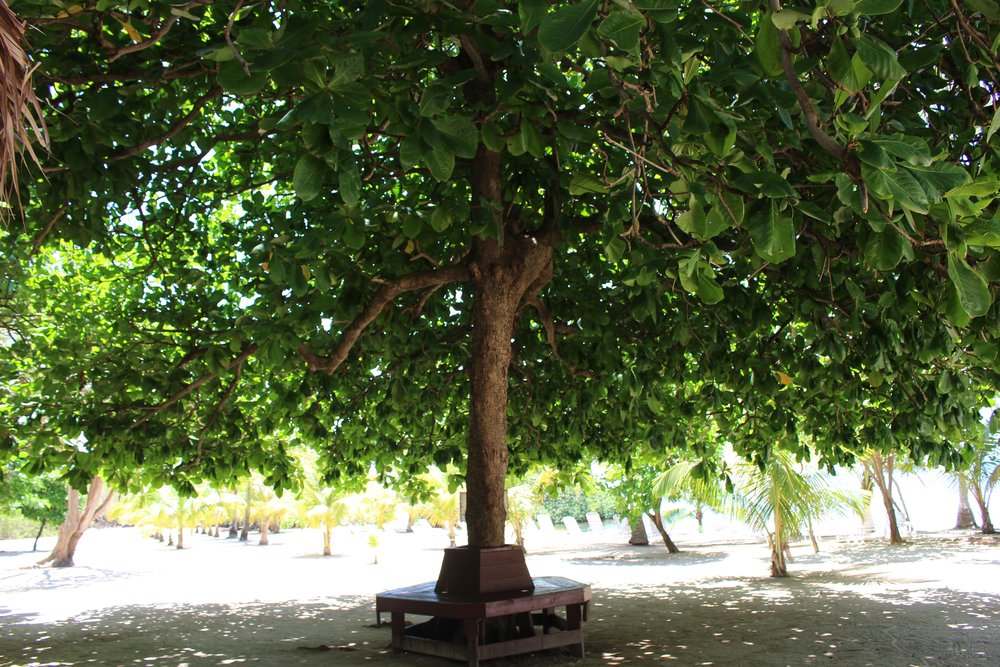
(473, 629)
(398, 626)
(574, 618)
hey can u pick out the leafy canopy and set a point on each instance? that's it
(783, 216)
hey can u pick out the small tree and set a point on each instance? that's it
(78, 520)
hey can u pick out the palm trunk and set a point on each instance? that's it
(451, 533)
(779, 545)
(180, 536)
(984, 510)
(658, 522)
(639, 537)
(965, 519)
(327, 530)
(78, 521)
(264, 531)
(234, 526)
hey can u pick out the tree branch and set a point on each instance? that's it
(184, 122)
(247, 352)
(383, 297)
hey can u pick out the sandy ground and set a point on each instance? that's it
(134, 601)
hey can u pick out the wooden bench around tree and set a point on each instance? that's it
(481, 627)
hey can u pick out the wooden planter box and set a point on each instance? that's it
(475, 571)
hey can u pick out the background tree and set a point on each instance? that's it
(981, 474)
(80, 514)
(551, 215)
(40, 498)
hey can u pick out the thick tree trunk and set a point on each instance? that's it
(502, 276)
(881, 472)
(965, 518)
(180, 536)
(234, 526)
(658, 522)
(77, 521)
(639, 537)
(264, 532)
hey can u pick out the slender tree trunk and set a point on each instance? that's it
(234, 526)
(245, 532)
(868, 485)
(264, 531)
(965, 519)
(984, 510)
(180, 536)
(77, 521)
(170, 537)
(779, 545)
(215, 533)
(639, 537)
(658, 522)
(451, 533)
(881, 469)
(812, 535)
(327, 530)
(699, 515)
(41, 529)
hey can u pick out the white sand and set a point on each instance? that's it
(134, 601)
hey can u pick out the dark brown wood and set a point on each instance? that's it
(483, 571)
(473, 611)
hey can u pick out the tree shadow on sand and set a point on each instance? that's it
(807, 619)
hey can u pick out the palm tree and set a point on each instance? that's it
(443, 509)
(781, 500)
(325, 508)
(982, 471)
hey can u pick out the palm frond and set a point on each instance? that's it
(21, 119)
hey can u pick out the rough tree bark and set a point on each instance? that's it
(78, 521)
(964, 519)
(984, 510)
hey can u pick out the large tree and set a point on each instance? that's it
(508, 232)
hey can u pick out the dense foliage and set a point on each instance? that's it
(323, 222)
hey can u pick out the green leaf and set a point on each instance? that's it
(767, 48)
(562, 29)
(982, 188)
(973, 291)
(350, 185)
(787, 18)
(876, 7)
(911, 149)
(531, 12)
(307, 178)
(441, 163)
(767, 183)
(440, 219)
(459, 134)
(583, 183)
(773, 235)
(354, 236)
(884, 249)
(905, 190)
(880, 58)
(994, 125)
(939, 177)
(435, 99)
(233, 79)
(614, 250)
(623, 29)
(849, 72)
